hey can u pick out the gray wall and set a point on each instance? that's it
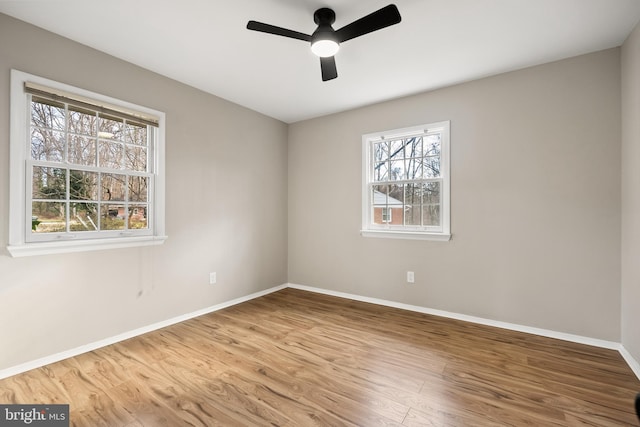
(631, 194)
(226, 210)
(535, 194)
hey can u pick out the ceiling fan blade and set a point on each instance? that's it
(278, 31)
(328, 67)
(388, 15)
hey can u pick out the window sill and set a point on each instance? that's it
(48, 248)
(412, 235)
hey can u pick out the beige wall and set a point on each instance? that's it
(226, 211)
(535, 193)
(631, 194)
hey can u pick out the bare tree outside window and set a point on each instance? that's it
(107, 185)
(401, 166)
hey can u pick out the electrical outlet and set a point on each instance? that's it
(212, 278)
(410, 277)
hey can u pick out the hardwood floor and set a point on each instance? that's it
(294, 358)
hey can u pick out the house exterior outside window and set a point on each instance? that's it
(386, 210)
(406, 181)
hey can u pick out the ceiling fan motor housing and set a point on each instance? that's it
(324, 18)
(324, 41)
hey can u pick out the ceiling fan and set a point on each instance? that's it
(325, 41)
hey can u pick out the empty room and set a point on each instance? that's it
(320, 213)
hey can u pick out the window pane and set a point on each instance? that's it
(136, 134)
(136, 158)
(138, 217)
(413, 147)
(138, 189)
(47, 144)
(412, 215)
(431, 215)
(379, 195)
(397, 171)
(431, 200)
(48, 217)
(432, 145)
(82, 122)
(82, 150)
(381, 171)
(380, 151)
(432, 167)
(84, 217)
(111, 154)
(47, 114)
(396, 196)
(396, 149)
(414, 168)
(111, 128)
(431, 192)
(83, 185)
(49, 183)
(112, 217)
(413, 204)
(380, 200)
(113, 187)
(380, 161)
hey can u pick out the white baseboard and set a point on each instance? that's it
(633, 364)
(14, 370)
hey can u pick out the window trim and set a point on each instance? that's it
(395, 231)
(19, 158)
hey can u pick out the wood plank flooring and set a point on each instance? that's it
(294, 358)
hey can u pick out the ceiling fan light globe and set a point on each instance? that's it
(325, 48)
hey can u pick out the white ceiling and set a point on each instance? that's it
(204, 43)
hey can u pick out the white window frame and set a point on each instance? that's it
(387, 230)
(20, 243)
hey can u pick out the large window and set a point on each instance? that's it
(406, 183)
(86, 170)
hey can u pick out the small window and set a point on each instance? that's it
(86, 170)
(387, 214)
(406, 183)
